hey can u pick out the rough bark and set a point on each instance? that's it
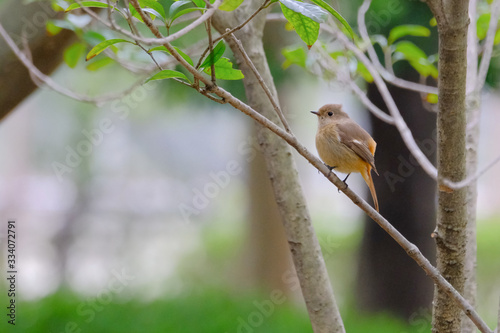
(452, 18)
(304, 246)
(29, 21)
(407, 197)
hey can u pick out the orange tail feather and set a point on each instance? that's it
(367, 176)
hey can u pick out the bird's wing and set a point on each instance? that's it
(358, 140)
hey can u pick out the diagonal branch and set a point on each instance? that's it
(40, 77)
(410, 248)
(159, 40)
(261, 81)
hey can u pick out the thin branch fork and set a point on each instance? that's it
(410, 248)
(261, 81)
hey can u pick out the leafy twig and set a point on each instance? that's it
(261, 82)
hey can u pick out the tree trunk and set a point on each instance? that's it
(452, 20)
(281, 169)
(407, 196)
(267, 257)
(472, 144)
(21, 20)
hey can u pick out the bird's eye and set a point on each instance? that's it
(330, 113)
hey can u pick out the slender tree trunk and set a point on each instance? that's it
(472, 143)
(306, 252)
(452, 18)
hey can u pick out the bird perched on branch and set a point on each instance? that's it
(345, 146)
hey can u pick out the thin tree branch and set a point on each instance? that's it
(399, 122)
(36, 73)
(328, 63)
(410, 248)
(208, 24)
(389, 77)
(250, 64)
(488, 45)
(162, 40)
(264, 5)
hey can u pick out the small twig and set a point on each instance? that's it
(374, 58)
(488, 45)
(388, 61)
(162, 40)
(399, 122)
(208, 25)
(264, 5)
(331, 65)
(250, 64)
(372, 107)
(36, 73)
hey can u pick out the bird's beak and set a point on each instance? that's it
(315, 112)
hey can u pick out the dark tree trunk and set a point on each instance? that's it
(389, 279)
(28, 21)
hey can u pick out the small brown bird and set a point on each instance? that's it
(344, 146)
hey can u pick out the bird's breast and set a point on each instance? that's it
(335, 154)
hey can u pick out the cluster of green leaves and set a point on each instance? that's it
(304, 17)
(165, 11)
(399, 50)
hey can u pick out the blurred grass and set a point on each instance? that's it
(212, 311)
(208, 307)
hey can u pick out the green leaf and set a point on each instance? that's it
(432, 98)
(52, 28)
(224, 70)
(433, 22)
(181, 53)
(306, 28)
(157, 7)
(482, 25)
(184, 11)
(295, 56)
(103, 46)
(99, 63)
(407, 30)
(230, 5)
(497, 38)
(176, 6)
(73, 53)
(97, 4)
(363, 72)
(215, 55)
(335, 14)
(199, 3)
(168, 74)
(313, 12)
(417, 58)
